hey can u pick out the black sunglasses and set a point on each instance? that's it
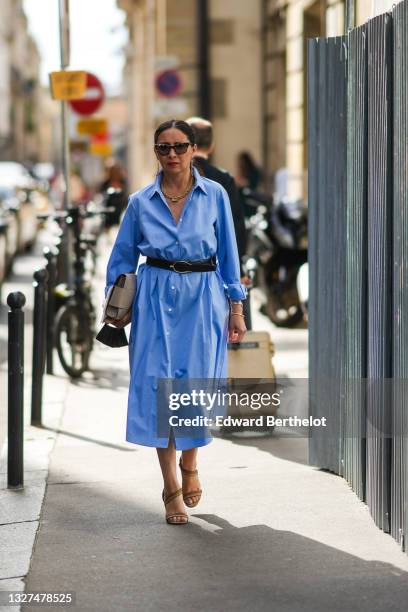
(163, 148)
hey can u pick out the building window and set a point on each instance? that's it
(221, 31)
(218, 98)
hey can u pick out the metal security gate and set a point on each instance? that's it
(379, 234)
(354, 441)
(358, 253)
(399, 459)
(327, 120)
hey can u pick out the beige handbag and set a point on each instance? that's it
(117, 303)
(119, 298)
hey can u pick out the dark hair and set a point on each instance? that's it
(203, 135)
(247, 163)
(178, 124)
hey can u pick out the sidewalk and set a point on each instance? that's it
(271, 533)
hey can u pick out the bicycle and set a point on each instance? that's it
(74, 328)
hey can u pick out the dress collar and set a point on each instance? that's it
(198, 182)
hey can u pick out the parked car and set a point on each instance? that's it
(18, 191)
(9, 222)
(3, 248)
(13, 174)
(42, 173)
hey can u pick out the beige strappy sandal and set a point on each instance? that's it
(187, 495)
(167, 499)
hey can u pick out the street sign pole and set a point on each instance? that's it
(64, 53)
(66, 161)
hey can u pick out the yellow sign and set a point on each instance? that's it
(101, 148)
(92, 126)
(68, 84)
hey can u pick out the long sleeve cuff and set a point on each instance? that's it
(236, 291)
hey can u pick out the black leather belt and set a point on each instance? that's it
(182, 266)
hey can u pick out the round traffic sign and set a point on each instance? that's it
(168, 83)
(93, 98)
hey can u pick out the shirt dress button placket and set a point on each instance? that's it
(171, 296)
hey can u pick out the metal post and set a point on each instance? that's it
(51, 257)
(349, 16)
(204, 84)
(66, 160)
(39, 349)
(15, 470)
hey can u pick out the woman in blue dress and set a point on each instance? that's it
(183, 314)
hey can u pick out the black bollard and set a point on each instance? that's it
(39, 344)
(15, 467)
(50, 255)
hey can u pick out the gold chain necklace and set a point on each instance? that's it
(174, 199)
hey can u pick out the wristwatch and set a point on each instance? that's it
(236, 302)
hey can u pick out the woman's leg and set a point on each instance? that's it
(167, 459)
(189, 458)
(189, 462)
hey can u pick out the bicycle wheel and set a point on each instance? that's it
(74, 341)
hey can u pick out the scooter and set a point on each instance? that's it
(276, 256)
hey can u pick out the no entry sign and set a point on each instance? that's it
(168, 83)
(92, 99)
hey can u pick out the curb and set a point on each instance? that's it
(20, 510)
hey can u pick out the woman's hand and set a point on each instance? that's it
(245, 280)
(122, 322)
(236, 327)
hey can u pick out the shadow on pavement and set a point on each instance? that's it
(290, 448)
(102, 379)
(98, 378)
(119, 554)
(76, 436)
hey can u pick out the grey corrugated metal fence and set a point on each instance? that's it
(358, 248)
(327, 119)
(354, 447)
(399, 459)
(379, 233)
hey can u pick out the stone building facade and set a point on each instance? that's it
(22, 108)
(257, 62)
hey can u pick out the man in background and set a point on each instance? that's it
(205, 147)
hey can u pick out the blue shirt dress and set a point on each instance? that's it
(179, 326)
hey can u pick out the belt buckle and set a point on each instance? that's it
(180, 271)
